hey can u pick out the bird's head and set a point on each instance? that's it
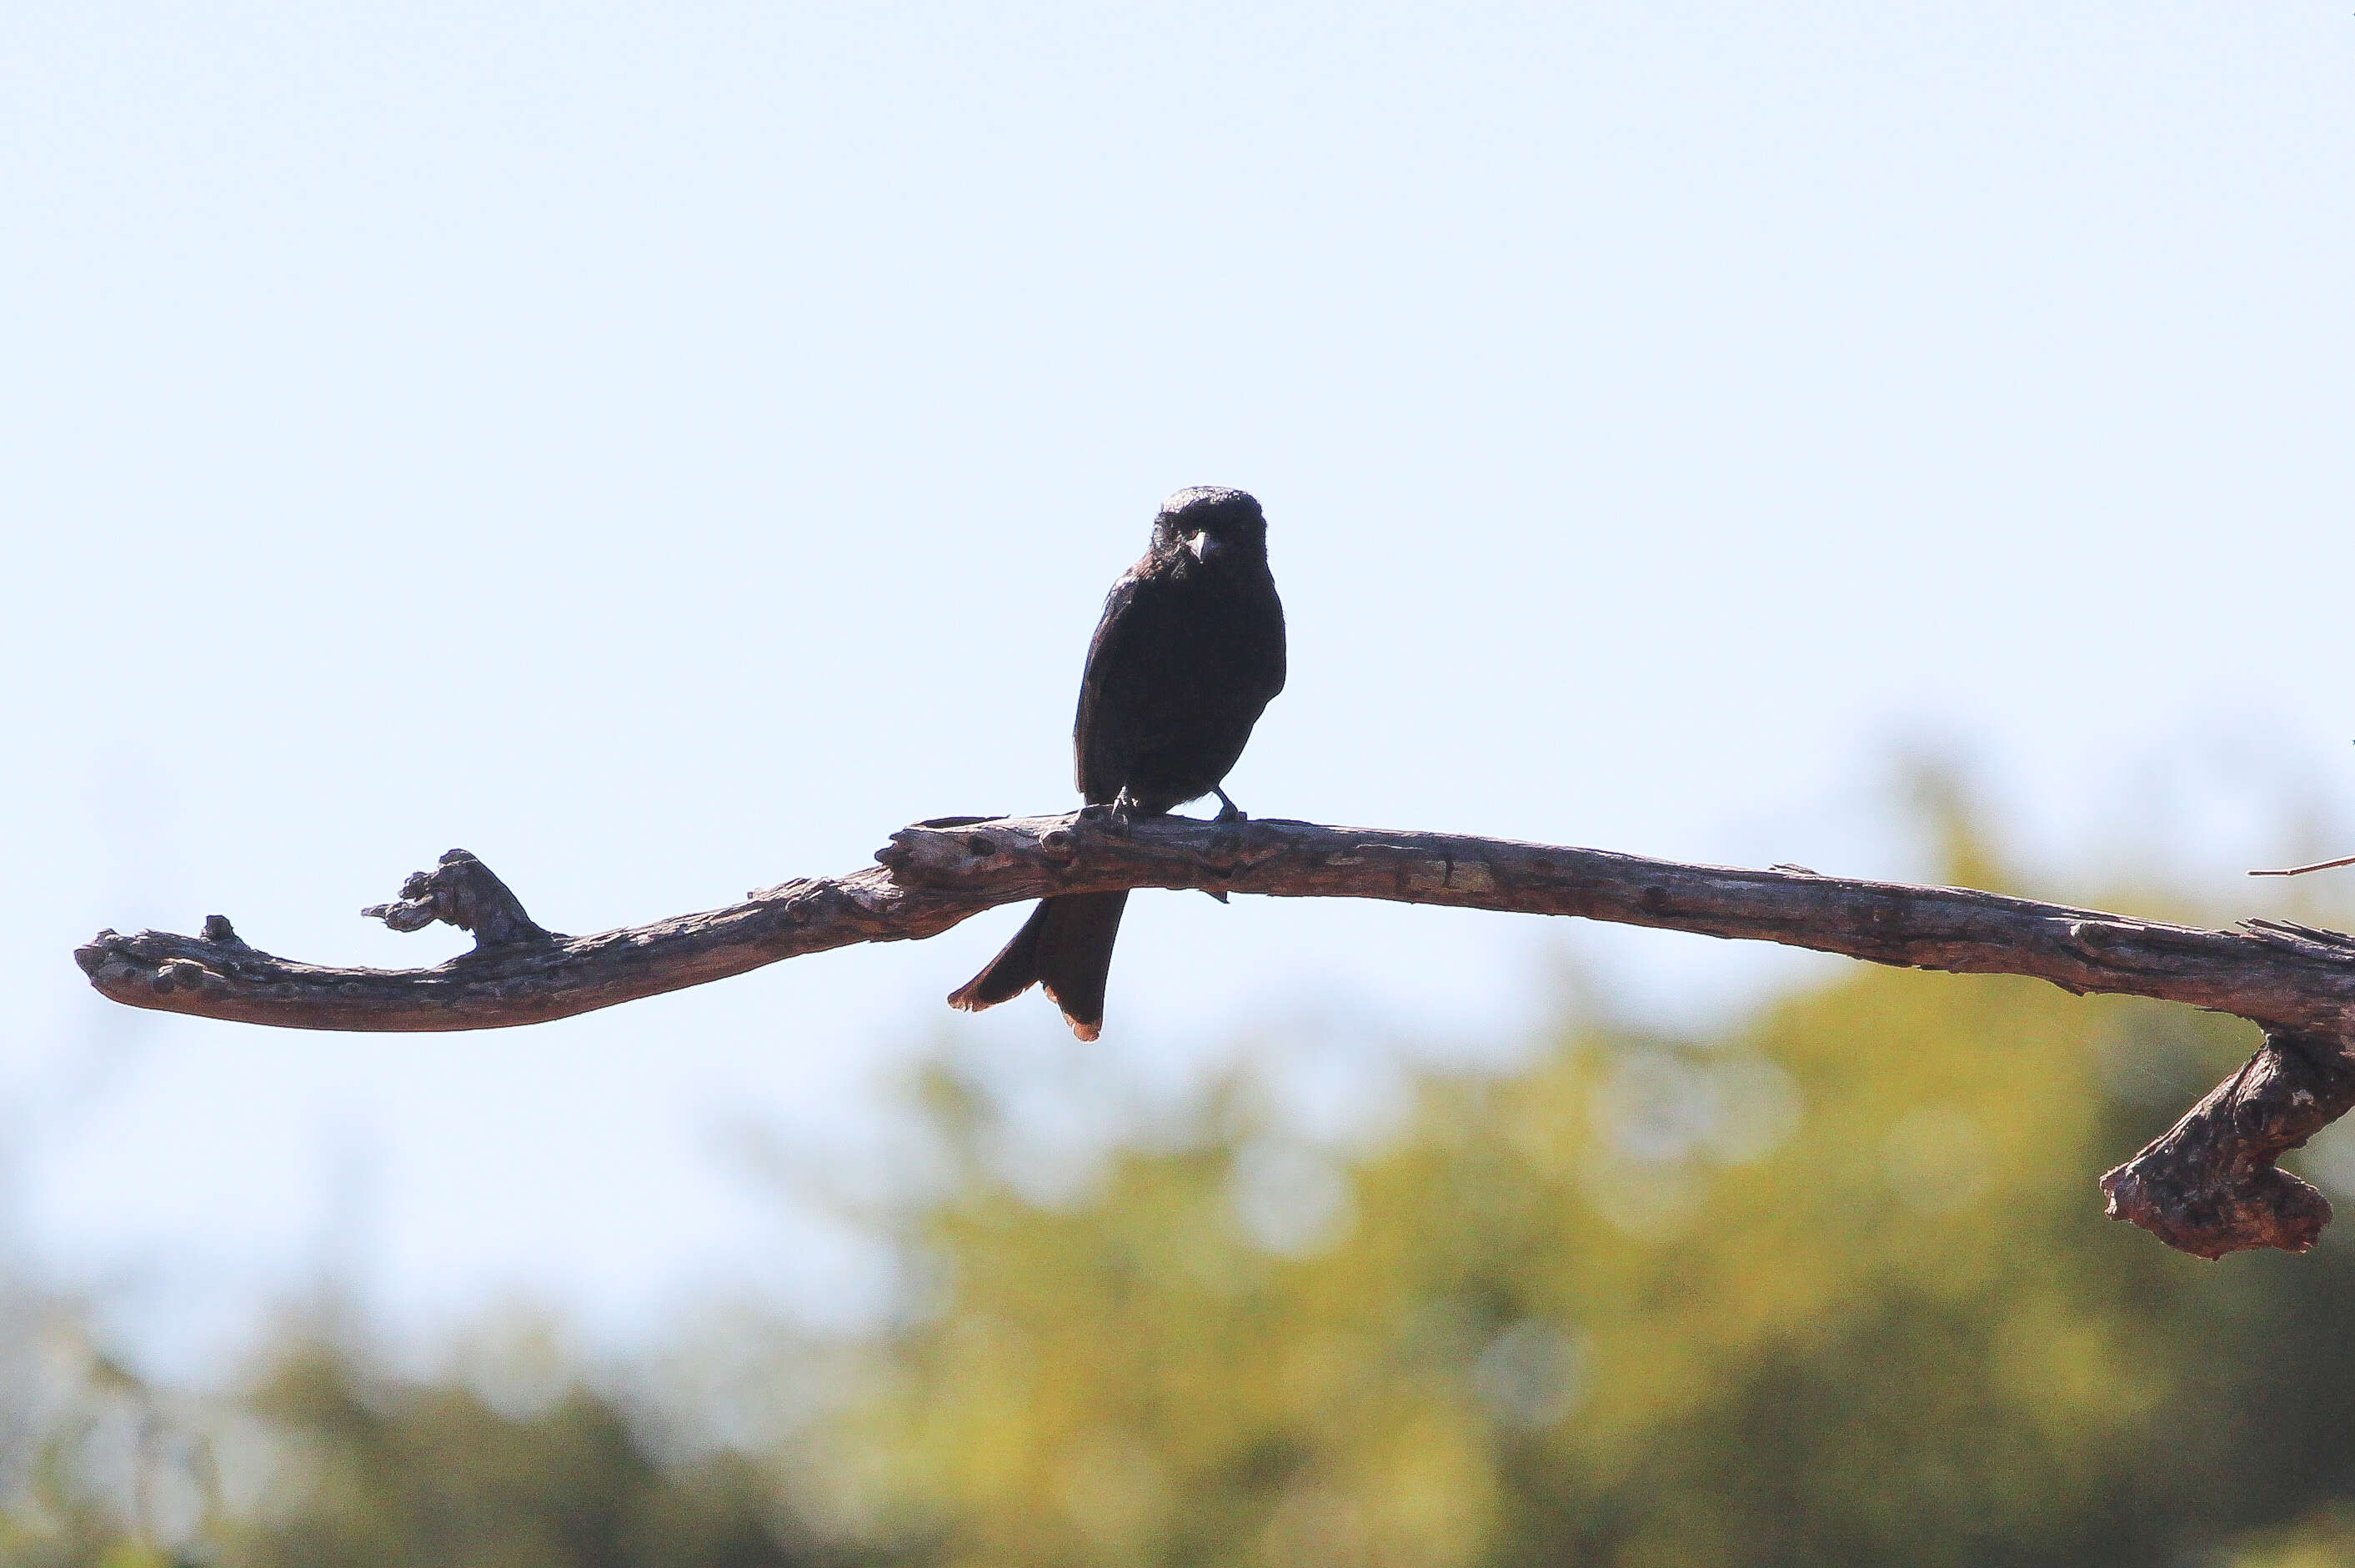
(1214, 524)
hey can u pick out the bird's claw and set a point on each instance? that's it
(1116, 816)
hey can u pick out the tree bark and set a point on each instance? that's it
(2208, 1186)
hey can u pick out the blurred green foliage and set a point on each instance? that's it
(1832, 1287)
(436, 1475)
(350, 1471)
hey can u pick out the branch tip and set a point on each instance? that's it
(2301, 870)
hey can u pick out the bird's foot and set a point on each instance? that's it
(1229, 814)
(1116, 816)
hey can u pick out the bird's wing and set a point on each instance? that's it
(1272, 670)
(1139, 615)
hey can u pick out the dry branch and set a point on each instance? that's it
(2208, 1186)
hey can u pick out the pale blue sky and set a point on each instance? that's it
(664, 448)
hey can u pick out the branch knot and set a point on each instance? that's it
(2209, 1184)
(462, 892)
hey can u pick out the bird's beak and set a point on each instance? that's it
(1205, 548)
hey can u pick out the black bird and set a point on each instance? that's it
(1189, 651)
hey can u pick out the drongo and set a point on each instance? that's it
(1189, 651)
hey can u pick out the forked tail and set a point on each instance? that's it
(1066, 946)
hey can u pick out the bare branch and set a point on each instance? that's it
(2302, 871)
(2208, 1186)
